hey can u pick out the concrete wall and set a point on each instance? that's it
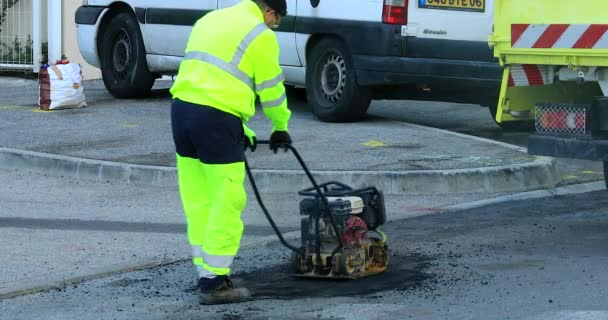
(70, 42)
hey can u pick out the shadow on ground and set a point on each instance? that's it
(404, 273)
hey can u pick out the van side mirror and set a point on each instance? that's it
(314, 3)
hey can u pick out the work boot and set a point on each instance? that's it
(220, 290)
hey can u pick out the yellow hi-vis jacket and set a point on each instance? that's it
(231, 56)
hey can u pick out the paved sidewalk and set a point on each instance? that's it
(130, 140)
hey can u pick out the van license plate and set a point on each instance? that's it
(464, 5)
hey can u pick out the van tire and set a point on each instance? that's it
(123, 58)
(512, 126)
(331, 85)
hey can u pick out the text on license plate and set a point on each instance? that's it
(467, 5)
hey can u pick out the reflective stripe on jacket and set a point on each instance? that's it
(231, 56)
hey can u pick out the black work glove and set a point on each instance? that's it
(278, 138)
(251, 143)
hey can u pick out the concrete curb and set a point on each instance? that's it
(537, 194)
(539, 174)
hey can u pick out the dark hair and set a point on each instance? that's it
(280, 6)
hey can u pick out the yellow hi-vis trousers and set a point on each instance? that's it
(211, 174)
(213, 197)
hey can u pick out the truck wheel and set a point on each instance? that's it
(331, 84)
(606, 173)
(123, 58)
(514, 126)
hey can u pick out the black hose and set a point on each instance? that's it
(319, 192)
(272, 224)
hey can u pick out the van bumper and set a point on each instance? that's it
(87, 20)
(88, 15)
(382, 71)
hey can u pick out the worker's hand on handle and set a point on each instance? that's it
(277, 138)
(250, 138)
(251, 143)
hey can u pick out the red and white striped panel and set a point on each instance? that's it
(524, 75)
(559, 36)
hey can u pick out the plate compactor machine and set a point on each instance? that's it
(340, 238)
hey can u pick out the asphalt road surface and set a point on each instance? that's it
(530, 259)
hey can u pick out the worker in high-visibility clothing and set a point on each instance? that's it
(232, 56)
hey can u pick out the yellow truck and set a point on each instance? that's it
(555, 59)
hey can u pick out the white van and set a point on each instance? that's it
(344, 52)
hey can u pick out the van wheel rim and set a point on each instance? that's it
(333, 77)
(121, 54)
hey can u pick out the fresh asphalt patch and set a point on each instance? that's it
(409, 272)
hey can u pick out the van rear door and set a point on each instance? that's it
(450, 29)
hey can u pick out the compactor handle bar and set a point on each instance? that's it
(315, 186)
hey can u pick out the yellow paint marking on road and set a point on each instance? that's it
(128, 125)
(40, 111)
(570, 177)
(8, 107)
(579, 173)
(374, 144)
(590, 172)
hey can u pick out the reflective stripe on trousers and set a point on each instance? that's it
(205, 261)
(197, 251)
(215, 261)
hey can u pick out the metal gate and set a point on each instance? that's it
(20, 35)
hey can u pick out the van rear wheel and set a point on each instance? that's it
(123, 58)
(331, 84)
